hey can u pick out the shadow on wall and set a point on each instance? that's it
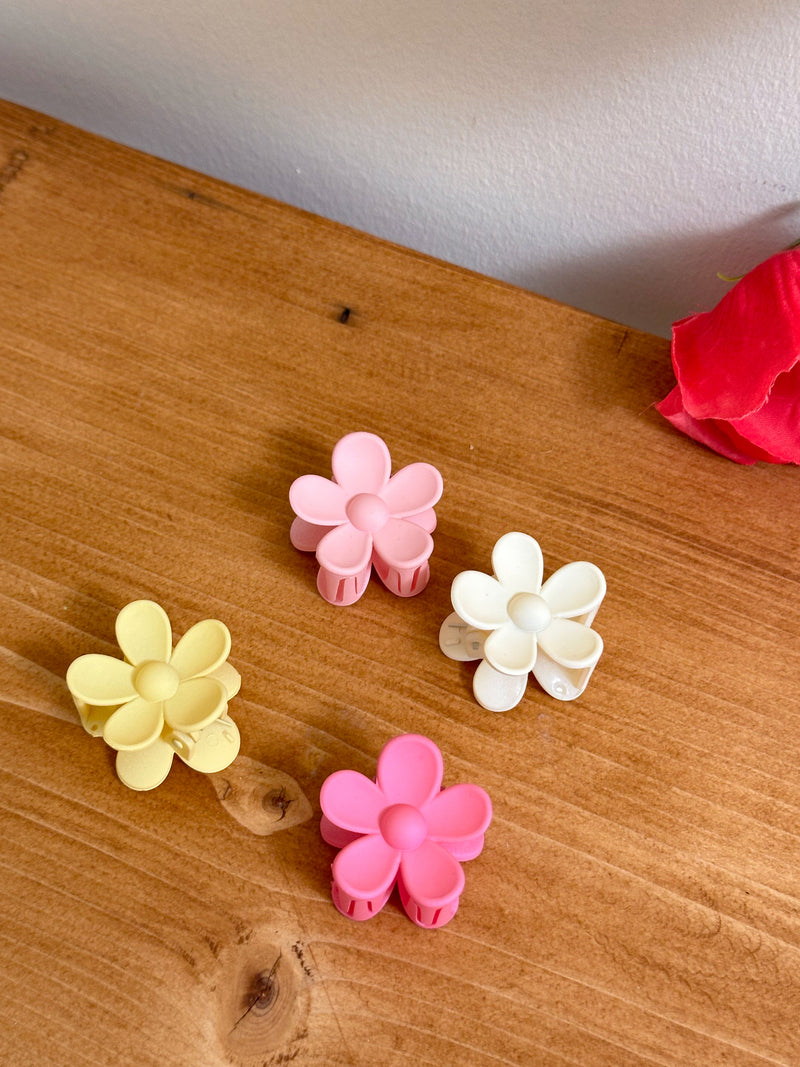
(623, 283)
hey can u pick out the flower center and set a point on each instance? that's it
(367, 512)
(155, 681)
(529, 612)
(402, 827)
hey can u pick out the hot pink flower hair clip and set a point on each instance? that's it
(402, 828)
(366, 517)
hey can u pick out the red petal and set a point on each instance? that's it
(746, 448)
(727, 360)
(707, 431)
(775, 428)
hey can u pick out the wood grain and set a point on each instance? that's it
(172, 356)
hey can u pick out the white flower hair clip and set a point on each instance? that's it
(516, 625)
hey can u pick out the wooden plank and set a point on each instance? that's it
(172, 356)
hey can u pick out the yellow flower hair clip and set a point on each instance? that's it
(160, 701)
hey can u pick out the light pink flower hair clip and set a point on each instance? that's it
(402, 829)
(365, 516)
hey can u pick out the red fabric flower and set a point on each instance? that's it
(738, 368)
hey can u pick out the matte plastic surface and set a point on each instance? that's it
(159, 701)
(402, 829)
(515, 624)
(366, 517)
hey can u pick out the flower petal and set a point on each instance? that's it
(100, 680)
(726, 360)
(366, 868)
(571, 644)
(575, 591)
(230, 678)
(145, 768)
(334, 835)
(466, 848)
(431, 875)
(517, 563)
(775, 427)
(712, 433)
(496, 691)
(135, 725)
(401, 543)
(143, 632)
(196, 704)
(511, 650)
(361, 463)
(352, 801)
(201, 649)
(458, 813)
(305, 536)
(414, 489)
(410, 769)
(426, 519)
(480, 600)
(345, 550)
(735, 442)
(318, 500)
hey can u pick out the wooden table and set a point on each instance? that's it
(173, 355)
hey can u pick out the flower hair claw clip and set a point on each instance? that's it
(366, 517)
(160, 701)
(515, 624)
(402, 829)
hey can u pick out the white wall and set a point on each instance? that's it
(614, 154)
